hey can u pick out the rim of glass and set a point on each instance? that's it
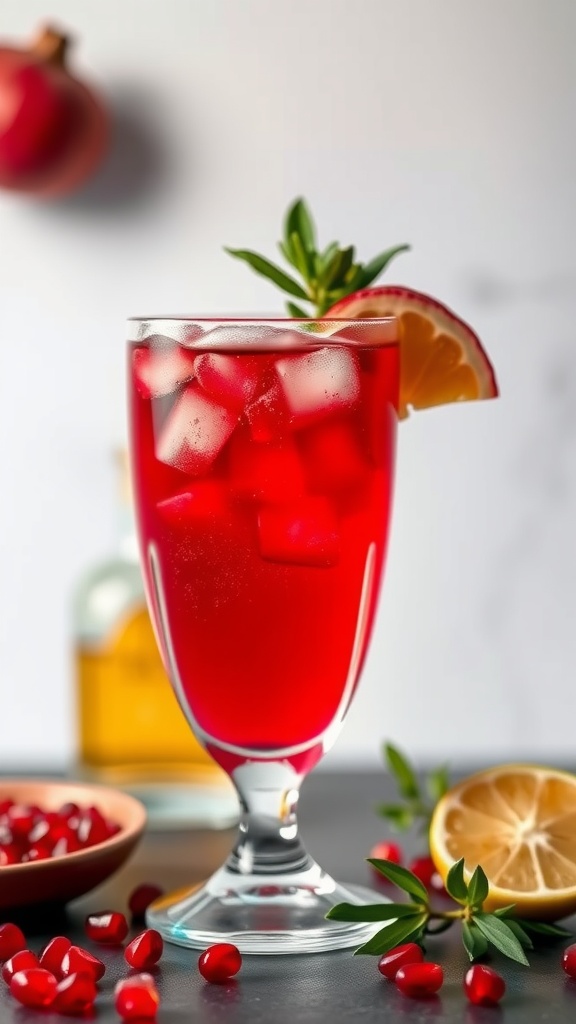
(264, 319)
(264, 332)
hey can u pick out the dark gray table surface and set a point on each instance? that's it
(339, 826)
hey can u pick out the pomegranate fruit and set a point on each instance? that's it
(53, 128)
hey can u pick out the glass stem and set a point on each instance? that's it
(268, 841)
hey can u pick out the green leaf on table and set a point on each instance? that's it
(299, 221)
(401, 877)
(478, 888)
(496, 930)
(296, 311)
(402, 771)
(409, 929)
(505, 911)
(475, 943)
(522, 936)
(400, 816)
(438, 782)
(372, 911)
(455, 885)
(543, 930)
(269, 270)
(374, 268)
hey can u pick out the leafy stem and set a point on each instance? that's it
(319, 277)
(415, 803)
(416, 920)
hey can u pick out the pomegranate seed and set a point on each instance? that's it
(52, 955)
(68, 843)
(425, 869)
(387, 851)
(391, 962)
(92, 828)
(20, 820)
(19, 962)
(569, 960)
(39, 851)
(137, 998)
(75, 994)
(484, 986)
(141, 898)
(417, 980)
(69, 810)
(220, 962)
(35, 988)
(9, 854)
(11, 940)
(109, 927)
(79, 961)
(145, 950)
(5, 806)
(384, 851)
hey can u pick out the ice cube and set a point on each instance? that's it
(303, 532)
(333, 456)
(194, 432)
(318, 384)
(248, 335)
(269, 472)
(160, 370)
(268, 415)
(202, 500)
(230, 379)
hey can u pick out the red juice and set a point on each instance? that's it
(263, 480)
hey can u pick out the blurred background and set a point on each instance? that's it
(446, 125)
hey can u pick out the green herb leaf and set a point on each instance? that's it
(520, 934)
(409, 929)
(374, 268)
(403, 772)
(296, 311)
(438, 782)
(401, 817)
(404, 879)
(505, 911)
(287, 253)
(303, 259)
(299, 221)
(372, 912)
(325, 258)
(475, 943)
(455, 885)
(544, 930)
(269, 270)
(478, 888)
(338, 267)
(501, 936)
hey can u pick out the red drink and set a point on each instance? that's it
(263, 480)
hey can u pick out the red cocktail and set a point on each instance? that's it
(263, 458)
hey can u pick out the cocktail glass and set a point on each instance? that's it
(262, 458)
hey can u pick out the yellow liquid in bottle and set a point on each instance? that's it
(131, 726)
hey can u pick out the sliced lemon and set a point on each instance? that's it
(441, 358)
(519, 823)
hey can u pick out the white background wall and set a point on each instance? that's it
(447, 124)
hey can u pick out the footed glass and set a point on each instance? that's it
(262, 458)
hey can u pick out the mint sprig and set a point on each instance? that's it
(416, 802)
(416, 920)
(323, 276)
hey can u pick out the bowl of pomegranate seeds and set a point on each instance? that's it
(58, 840)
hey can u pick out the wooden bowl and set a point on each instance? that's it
(64, 878)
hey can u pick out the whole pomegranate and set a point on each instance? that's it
(53, 128)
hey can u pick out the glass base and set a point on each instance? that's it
(264, 914)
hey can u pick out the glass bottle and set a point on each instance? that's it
(131, 732)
